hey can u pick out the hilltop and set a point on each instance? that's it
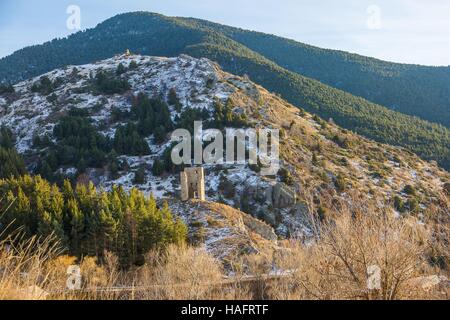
(110, 121)
(307, 77)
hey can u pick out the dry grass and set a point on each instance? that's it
(181, 273)
(335, 265)
(332, 265)
(23, 267)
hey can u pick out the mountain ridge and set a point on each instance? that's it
(309, 61)
(155, 34)
(79, 123)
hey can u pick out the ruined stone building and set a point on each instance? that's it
(192, 181)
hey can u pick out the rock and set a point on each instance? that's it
(283, 196)
(259, 227)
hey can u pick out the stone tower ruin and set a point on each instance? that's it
(192, 181)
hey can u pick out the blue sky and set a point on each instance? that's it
(409, 31)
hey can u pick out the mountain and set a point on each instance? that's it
(154, 34)
(109, 122)
(417, 90)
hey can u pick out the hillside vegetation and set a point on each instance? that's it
(153, 34)
(412, 89)
(68, 126)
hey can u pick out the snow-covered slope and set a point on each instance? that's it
(312, 150)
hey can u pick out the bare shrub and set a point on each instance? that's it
(23, 274)
(336, 265)
(184, 273)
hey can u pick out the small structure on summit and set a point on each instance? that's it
(192, 181)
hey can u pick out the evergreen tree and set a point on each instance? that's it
(173, 100)
(139, 176)
(158, 168)
(120, 69)
(133, 65)
(87, 222)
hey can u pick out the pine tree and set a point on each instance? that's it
(160, 134)
(120, 69)
(158, 168)
(133, 65)
(173, 100)
(87, 222)
(139, 176)
(76, 218)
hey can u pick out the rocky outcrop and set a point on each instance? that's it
(227, 231)
(259, 227)
(283, 196)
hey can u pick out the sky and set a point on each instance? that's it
(406, 31)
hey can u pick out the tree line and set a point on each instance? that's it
(87, 221)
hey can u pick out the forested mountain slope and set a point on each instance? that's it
(110, 123)
(418, 90)
(153, 34)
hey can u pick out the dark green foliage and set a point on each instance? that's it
(343, 161)
(139, 176)
(106, 83)
(226, 187)
(197, 233)
(188, 116)
(52, 98)
(415, 90)
(411, 89)
(133, 65)
(342, 142)
(128, 141)
(447, 188)
(412, 205)
(119, 115)
(88, 222)
(245, 204)
(314, 159)
(399, 204)
(340, 183)
(285, 176)
(42, 142)
(166, 159)
(254, 167)
(6, 89)
(79, 143)
(160, 134)
(11, 163)
(409, 190)
(158, 167)
(7, 139)
(120, 69)
(46, 170)
(430, 141)
(114, 165)
(152, 115)
(173, 100)
(225, 117)
(45, 86)
(165, 164)
(210, 83)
